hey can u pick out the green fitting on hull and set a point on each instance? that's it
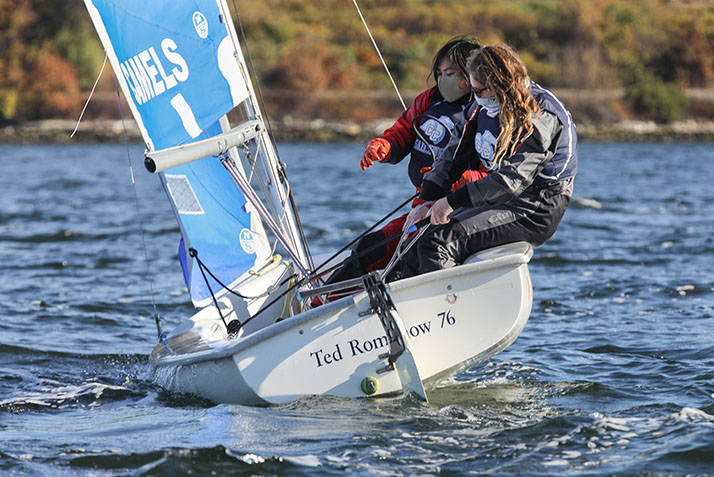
(369, 385)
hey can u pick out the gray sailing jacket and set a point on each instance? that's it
(545, 159)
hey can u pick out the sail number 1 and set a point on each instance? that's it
(446, 318)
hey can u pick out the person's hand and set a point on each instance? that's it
(416, 214)
(440, 211)
(377, 150)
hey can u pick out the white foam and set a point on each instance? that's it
(52, 397)
(305, 460)
(247, 458)
(693, 414)
(590, 203)
(683, 289)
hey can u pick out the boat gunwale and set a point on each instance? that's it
(227, 348)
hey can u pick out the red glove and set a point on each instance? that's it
(468, 176)
(377, 150)
(417, 202)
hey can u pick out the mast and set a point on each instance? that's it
(277, 183)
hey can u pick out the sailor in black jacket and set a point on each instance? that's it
(524, 137)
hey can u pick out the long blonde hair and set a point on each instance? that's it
(500, 69)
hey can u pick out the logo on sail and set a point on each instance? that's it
(200, 24)
(247, 241)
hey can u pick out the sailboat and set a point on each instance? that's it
(256, 338)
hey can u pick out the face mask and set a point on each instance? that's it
(491, 105)
(449, 87)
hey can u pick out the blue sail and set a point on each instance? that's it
(229, 239)
(176, 64)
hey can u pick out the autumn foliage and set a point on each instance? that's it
(36, 81)
(650, 49)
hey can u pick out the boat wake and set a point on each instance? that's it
(52, 380)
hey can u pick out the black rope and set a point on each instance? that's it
(359, 237)
(350, 258)
(304, 280)
(194, 254)
(235, 325)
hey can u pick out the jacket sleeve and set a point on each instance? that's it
(401, 135)
(517, 172)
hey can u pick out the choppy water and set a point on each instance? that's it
(613, 374)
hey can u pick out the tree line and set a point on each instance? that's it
(653, 49)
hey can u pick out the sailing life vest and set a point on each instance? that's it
(436, 121)
(487, 131)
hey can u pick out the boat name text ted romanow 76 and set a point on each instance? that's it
(357, 347)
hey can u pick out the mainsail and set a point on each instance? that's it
(181, 70)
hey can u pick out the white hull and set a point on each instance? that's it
(454, 318)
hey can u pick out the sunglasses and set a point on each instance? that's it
(478, 91)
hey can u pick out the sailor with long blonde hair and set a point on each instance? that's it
(498, 69)
(524, 137)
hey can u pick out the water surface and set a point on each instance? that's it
(613, 374)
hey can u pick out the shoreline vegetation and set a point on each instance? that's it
(627, 71)
(592, 110)
(287, 129)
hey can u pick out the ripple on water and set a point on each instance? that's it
(56, 380)
(612, 375)
(199, 461)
